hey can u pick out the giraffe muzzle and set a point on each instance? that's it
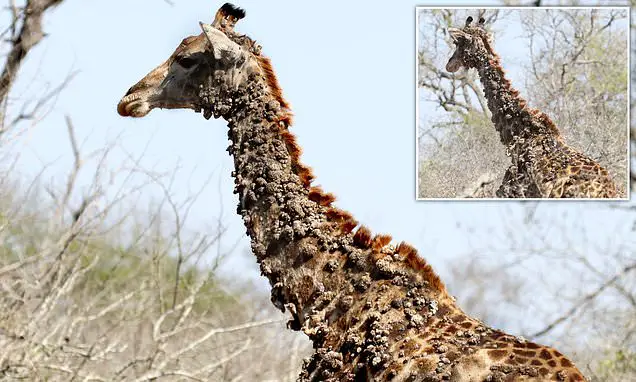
(133, 105)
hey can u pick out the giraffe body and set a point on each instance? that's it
(546, 167)
(373, 310)
(543, 165)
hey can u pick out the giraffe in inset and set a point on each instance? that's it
(543, 165)
(373, 310)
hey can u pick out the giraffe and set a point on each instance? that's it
(374, 310)
(543, 165)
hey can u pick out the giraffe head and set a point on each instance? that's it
(472, 45)
(218, 58)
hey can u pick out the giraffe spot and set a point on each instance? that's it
(556, 353)
(451, 329)
(543, 371)
(466, 325)
(452, 356)
(566, 362)
(521, 360)
(497, 354)
(532, 345)
(536, 362)
(442, 311)
(545, 354)
(552, 363)
(524, 353)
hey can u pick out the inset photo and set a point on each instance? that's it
(522, 103)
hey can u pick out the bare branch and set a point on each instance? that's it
(591, 296)
(29, 36)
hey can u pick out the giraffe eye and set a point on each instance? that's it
(462, 39)
(186, 62)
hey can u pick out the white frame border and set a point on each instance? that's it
(417, 107)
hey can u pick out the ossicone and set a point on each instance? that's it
(227, 16)
(229, 9)
(469, 20)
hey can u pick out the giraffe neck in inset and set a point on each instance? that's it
(510, 115)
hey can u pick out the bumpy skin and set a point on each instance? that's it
(371, 313)
(373, 310)
(543, 165)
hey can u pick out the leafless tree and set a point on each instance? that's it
(93, 287)
(22, 34)
(574, 282)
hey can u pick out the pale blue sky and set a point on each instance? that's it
(347, 69)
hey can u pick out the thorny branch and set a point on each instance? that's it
(30, 34)
(31, 111)
(43, 322)
(586, 299)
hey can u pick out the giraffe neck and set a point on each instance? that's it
(331, 279)
(510, 115)
(372, 310)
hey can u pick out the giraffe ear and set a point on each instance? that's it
(222, 47)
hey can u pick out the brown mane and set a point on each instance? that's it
(363, 238)
(266, 66)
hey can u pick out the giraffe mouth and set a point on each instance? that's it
(139, 104)
(133, 105)
(455, 62)
(453, 65)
